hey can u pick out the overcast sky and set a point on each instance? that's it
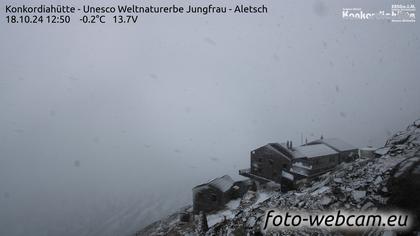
(116, 123)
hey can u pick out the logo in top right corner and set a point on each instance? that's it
(404, 13)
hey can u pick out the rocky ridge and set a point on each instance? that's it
(392, 179)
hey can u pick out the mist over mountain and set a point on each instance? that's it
(97, 121)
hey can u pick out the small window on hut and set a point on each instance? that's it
(213, 197)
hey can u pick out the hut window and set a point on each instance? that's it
(271, 162)
(213, 197)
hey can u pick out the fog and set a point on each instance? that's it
(106, 128)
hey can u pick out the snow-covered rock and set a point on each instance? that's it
(365, 184)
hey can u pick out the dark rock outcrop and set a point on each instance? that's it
(404, 186)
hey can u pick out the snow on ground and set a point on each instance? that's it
(228, 212)
(262, 196)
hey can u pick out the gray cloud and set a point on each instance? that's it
(96, 120)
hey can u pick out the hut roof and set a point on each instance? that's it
(223, 183)
(335, 143)
(314, 150)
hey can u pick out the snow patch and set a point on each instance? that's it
(228, 213)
